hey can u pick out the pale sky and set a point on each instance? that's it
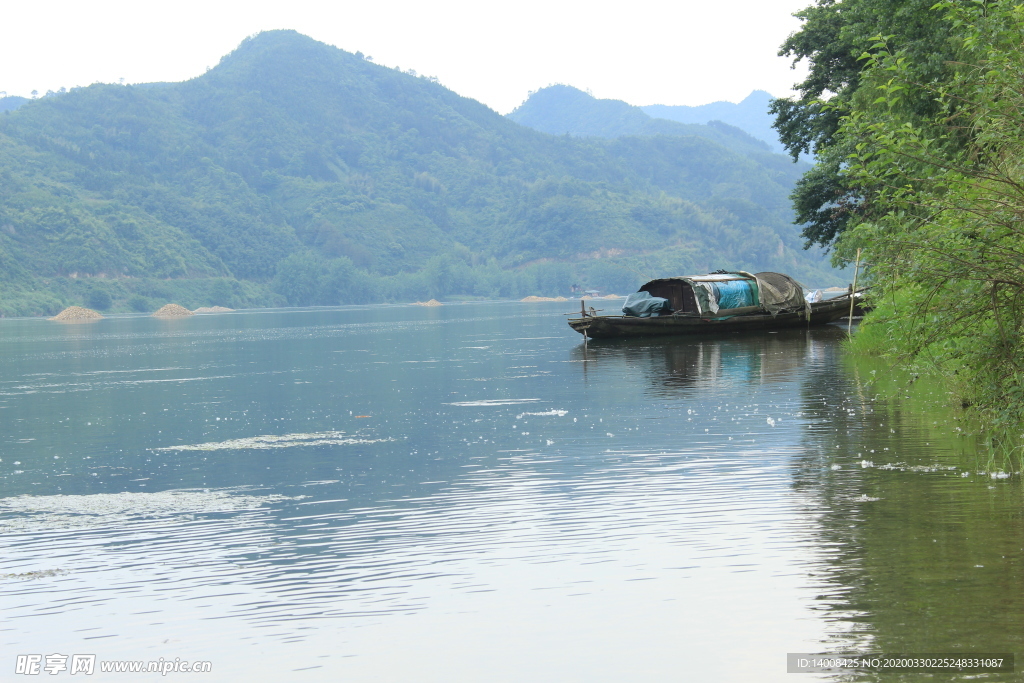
(643, 51)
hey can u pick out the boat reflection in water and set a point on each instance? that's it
(739, 360)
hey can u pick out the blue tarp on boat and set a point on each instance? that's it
(643, 305)
(736, 293)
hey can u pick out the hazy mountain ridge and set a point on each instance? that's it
(11, 102)
(565, 110)
(750, 115)
(294, 171)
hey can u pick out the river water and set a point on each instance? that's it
(466, 493)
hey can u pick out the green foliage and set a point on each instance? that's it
(834, 37)
(945, 204)
(308, 279)
(99, 299)
(140, 295)
(140, 304)
(296, 172)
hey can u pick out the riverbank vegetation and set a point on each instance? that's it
(921, 149)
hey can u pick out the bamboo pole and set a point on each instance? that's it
(583, 312)
(853, 293)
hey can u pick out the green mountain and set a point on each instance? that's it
(297, 173)
(751, 116)
(11, 102)
(564, 110)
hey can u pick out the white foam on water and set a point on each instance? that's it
(38, 574)
(556, 413)
(495, 402)
(276, 441)
(39, 513)
(903, 467)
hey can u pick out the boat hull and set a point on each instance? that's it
(612, 326)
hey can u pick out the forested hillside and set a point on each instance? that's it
(297, 173)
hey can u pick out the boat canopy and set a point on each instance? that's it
(781, 293)
(702, 294)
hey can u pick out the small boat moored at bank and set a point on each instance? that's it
(714, 303)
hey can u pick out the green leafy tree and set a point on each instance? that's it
(945, 203)
(140, 304)
(298, 278)
(834, 36)
(99, 299)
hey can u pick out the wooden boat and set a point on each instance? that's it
(778, 302)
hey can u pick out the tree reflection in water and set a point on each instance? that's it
(921, 540)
